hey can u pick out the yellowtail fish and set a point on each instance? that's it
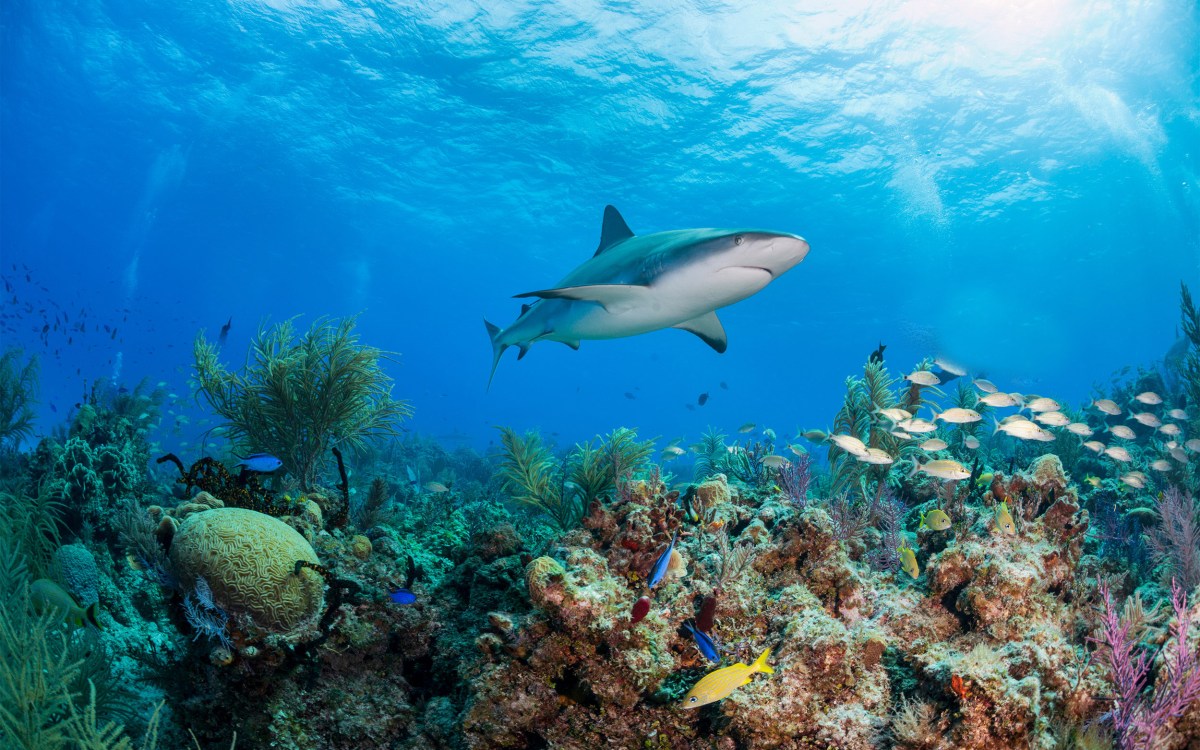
(1023, 429)
(956, 370)
(437, 487)
(1122, 432)
(1095, 446)
(1148, 419)
(894, 415)
(1080, 429)
(1004, 519)
(999, 400)
(1094, 481)
(917, 425)
(1150, 398)
(986, 386)
(923, 377)
(877, 456)
(943, 468)
(901, 434)
(1042, 403)
(774, 462)
(850, 444)
(1053, 419)
(1161, 464)
(674, 451)
(1108, 406)
(1135, 479)
(1178, 454)
(934, 519)
(717, 685)
(971, 442)
(1177, 414)
(47, 597)
(934, 444)
(797, 449)
(1170, 428)
(1117, 453)
(908, 560)
(748, 427)
(957, 415)
(1193, 445)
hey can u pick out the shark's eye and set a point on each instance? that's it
(738, 239)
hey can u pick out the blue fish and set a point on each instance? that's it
(704, 643)
(261, 463)
(660, 568)
(403, 596)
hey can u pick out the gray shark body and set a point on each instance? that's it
(637, 284)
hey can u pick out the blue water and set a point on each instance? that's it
(1010, 185)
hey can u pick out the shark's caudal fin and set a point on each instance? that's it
(497, 348)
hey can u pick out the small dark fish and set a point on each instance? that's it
(45, 328)
(641, 608)
(225, 332)
(877, 355)
(704, 643)
(54, 408)
(724, 386)
(260, 463)
(660, 567)
(703, 399)
(690, 407)
(630, 396)
(402, 596)
(114, 335)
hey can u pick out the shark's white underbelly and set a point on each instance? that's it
(673, 299)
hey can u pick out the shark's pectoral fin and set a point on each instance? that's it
(614, 298)
(708, 327)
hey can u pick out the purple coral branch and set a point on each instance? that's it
(794, 478)
(1138, 718)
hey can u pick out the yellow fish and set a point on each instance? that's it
(46, 596)
(985, 479)
(1004, 519)
(934, 519)
(717, 685)
(1094, 481)
(908, 560)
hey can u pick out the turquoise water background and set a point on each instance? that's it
(1012, 185)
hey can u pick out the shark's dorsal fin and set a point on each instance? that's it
(708, 327)
(612, 230)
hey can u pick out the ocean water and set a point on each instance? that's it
(1011, 186)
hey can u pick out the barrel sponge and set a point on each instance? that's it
(249, 560)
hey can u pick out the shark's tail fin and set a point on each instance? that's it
(497, 348)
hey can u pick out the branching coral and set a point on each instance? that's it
(300, 394)
(18, 386)
(1140, 717)
(1175, 542)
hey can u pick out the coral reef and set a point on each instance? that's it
(299, 393)
(249, 561)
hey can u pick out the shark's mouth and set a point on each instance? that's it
(767, 271)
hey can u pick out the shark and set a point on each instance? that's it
(634, 284)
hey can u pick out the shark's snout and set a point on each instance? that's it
(776, 253)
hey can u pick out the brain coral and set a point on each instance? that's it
(248, 559)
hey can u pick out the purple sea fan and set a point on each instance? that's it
(794, 478)
(1175, 543)
(1138, 717)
